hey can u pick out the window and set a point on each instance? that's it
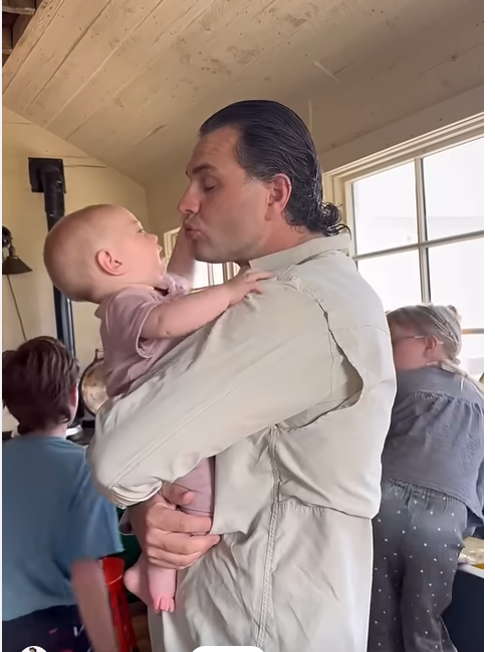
(205, 274)
(417, 219)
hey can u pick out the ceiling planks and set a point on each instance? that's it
(130, 82)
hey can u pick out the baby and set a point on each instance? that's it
(103, 255)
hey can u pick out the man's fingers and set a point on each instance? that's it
(169, 537)
(182, 522)
(157, 515)
(190, 524)
(177, 495)
(174, 562)
(182, 550)
(162, 520)
(182, 544)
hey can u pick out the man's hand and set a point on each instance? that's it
(169, 537)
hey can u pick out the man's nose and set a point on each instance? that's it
(189, 204)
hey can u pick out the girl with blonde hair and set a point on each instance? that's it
(432, 482)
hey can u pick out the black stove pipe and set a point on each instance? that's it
(47, 176)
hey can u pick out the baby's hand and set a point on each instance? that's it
(246, 281)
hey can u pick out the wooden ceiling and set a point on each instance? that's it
(16, 15)
(130, 81)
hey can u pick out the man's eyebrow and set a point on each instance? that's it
(200, 168)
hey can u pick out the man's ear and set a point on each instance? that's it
(107, 262)
(280, 190)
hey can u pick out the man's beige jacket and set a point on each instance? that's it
(292, 391)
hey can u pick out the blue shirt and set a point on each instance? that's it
(52, 517)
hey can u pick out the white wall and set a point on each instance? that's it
(87, 181)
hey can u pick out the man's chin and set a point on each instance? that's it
(203, 255)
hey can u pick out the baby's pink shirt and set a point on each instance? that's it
(127, 356)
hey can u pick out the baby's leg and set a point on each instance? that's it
(161, 583)
(162, 586)
(155, 586)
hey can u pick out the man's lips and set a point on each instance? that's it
(191, 232)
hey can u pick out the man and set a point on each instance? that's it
(291, 391)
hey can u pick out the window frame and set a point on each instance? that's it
(337, 185)
(338, 189)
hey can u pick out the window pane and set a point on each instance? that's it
(201, 277)
(385, 210)
(453, 182)
(473, 354)
(217, 274)
(457, 278)
(395, 278)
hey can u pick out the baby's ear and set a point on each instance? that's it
(107, 262)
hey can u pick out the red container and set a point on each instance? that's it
(114, 567)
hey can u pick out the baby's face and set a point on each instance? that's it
(138, 252)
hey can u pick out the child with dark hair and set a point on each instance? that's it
(56, 527)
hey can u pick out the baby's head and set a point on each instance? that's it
(99, 250)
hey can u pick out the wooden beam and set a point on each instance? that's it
(18, 28)
(19, 7)
(18, 11)
(20, 4)
(6, 40)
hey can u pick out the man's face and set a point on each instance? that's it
(225, 213)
